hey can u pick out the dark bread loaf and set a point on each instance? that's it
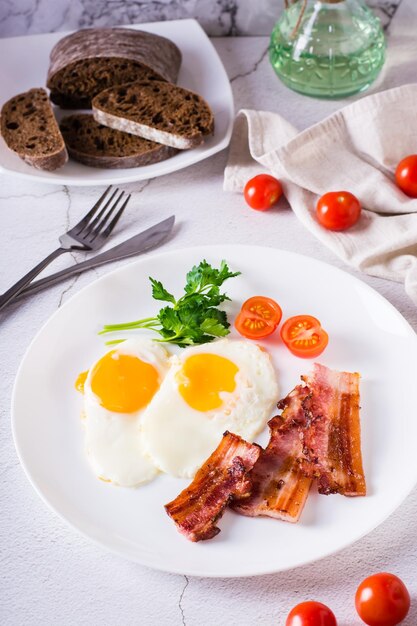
(86, 62)
(157, 111)
(29, 128)
(91, 143)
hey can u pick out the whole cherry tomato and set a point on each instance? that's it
(406, 175)
(258, 317)
(262, 191)
(304, 336)
(338, 210)
(311, 614)
(382, 600)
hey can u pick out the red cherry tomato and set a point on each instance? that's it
(258, 317)
(262, 191)
(304, 336)
(311, 614)
(338, 210)
(406, 175)
(382, 600)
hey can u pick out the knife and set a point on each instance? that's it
(137, 244)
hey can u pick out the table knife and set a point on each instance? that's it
(137, 244)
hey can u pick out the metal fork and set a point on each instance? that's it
(89, 234)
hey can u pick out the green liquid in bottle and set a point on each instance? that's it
(329, 50)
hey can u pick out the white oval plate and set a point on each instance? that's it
(201, 71)
(367, 334)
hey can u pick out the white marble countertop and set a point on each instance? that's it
(220, 18)
(50, 574)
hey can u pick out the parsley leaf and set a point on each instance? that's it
(159, 292)
(203, 275)
(170, 320)
(212, 326)
(193, 318)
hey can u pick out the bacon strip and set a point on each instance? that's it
(196, 510)
(316, 436)
(332, 438)
(280, 488)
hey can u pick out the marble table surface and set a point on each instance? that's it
(51, 575)
(223, 17)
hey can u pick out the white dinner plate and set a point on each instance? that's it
(201, 71)
(367, 334)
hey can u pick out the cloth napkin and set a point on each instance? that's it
(356, 149)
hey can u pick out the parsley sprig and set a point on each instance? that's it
(192, 319)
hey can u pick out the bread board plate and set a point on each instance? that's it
(201, 71)
(367, 334)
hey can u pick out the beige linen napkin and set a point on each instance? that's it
(356, 149)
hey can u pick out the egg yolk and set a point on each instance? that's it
(80, 382)
(203, 377)
(123, 383)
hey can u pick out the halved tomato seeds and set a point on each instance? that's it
(258, 317)
(304, 336)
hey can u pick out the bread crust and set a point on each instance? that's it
(47, 164)
(155, 57)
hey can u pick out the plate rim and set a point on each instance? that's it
(76, 181)
(396, 501)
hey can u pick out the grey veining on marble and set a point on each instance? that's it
(218, 17)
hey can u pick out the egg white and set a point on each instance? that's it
(179, 438)
(114, 441)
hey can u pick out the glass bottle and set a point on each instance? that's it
(327, 48)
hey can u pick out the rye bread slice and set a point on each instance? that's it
(86, 62)
(29, 127)
(157, 111)
(96, 145)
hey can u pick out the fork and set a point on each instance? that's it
(89, 234)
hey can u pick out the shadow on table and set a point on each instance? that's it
(402, 68)
(412, 616)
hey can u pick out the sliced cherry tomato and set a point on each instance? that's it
(406, 175)
(338, 210)
(311, 614)
(382, 600)
(304, 336)
(262, 191)
(258, 317)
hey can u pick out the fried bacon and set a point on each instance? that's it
(317, 436)
(224, 475)
(332, 439)
(279, 487)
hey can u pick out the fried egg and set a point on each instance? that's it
(224, 385)
(117, 390)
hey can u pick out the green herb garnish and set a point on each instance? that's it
(192, 319)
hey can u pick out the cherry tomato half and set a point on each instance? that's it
(258, 317)
(262, 191)
(304, 336)
(382, 600)
(338, 210)
(311, 614)
(406, 175)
